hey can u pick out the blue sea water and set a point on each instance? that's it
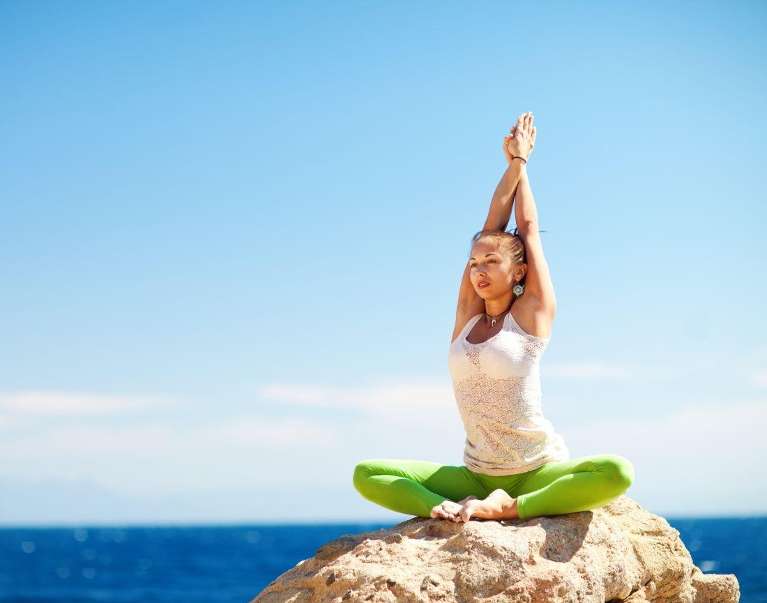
(232, 564)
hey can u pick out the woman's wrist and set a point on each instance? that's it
(511, 161)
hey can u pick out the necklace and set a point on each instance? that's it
(494, 318)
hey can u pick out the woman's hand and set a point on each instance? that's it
(521, 140)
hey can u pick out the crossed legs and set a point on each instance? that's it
(416, 487)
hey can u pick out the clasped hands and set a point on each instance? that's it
(520, 140)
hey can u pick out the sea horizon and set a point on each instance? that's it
(227, 562)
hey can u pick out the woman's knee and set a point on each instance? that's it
(362, 471)
(618, 470)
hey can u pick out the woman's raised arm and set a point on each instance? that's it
(469, 302)
(538, 283)
(537, 278)
(499, 214)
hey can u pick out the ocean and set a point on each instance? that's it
(232, 564)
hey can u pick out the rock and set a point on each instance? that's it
(617, 552)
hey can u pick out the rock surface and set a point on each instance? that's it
(617, 552)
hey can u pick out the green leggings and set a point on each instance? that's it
(415, 487)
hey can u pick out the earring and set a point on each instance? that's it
(518, 289)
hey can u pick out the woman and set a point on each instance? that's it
(515, 463)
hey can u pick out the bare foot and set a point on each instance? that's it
(449, 509)
(497, 505)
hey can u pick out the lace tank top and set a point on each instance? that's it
(497, 386)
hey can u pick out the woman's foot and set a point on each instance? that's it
(449, 509)
(497, 505)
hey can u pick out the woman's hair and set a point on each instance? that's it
(509, 243)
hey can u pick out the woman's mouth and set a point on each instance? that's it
(482, 284)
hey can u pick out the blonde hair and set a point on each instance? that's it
(509, 242)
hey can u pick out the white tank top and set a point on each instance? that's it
(497, 386)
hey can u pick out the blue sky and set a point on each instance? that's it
(233, 235)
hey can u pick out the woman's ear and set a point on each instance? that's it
(523, 271)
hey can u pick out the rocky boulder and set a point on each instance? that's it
(617, 552)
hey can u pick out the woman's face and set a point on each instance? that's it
(491, 271)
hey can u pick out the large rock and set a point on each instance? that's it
(617, 552)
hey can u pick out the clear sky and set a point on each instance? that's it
(233, 235)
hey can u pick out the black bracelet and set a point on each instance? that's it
(522, 158)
